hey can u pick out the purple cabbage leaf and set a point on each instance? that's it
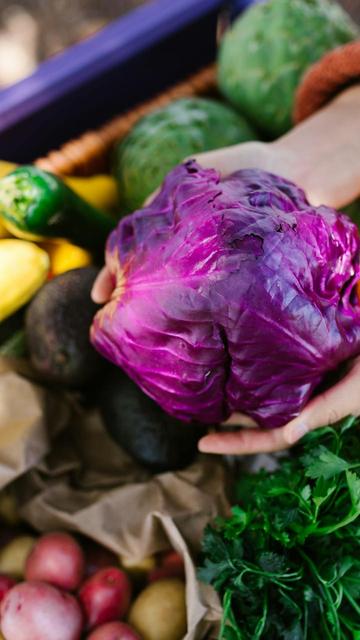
(231, 295)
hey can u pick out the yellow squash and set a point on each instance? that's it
(65, 256)
(100, 190)
(23, 269)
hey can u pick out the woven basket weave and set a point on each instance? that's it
(90, 153)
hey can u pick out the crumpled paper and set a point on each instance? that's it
(68, 474)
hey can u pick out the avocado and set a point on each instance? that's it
(152, 437)
(57, 328)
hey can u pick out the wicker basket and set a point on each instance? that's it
(90, 153)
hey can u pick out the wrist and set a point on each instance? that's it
(323, 152)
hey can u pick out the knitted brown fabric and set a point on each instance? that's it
(336, 70)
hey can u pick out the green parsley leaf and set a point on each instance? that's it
(324, 463)
(353, 481)
(287, 562)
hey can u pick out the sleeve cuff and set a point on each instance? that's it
(334, 72)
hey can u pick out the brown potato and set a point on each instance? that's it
(14, 555)
(138, 569)
(159, 612)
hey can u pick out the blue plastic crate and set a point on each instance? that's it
(128, 61)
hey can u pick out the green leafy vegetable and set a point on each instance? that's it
(287, 562)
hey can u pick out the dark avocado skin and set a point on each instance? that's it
(152, 437)
(57, 325)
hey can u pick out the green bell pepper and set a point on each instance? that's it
(35, 204)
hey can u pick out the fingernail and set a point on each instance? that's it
(296, 432)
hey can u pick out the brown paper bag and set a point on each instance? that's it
(68, 474)
(24, 411)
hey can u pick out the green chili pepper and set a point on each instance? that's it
(35, 204)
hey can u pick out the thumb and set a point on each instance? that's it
(102, 287)
(238, 156)
(329, 407)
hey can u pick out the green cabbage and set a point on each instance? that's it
(265, 53)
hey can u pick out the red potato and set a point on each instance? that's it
(38, 611)
(56, 558)
(171, 566)
(114, 631)
(172, 559)
(6, 583)
(105, 596)
(161, 573)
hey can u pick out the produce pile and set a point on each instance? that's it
(55, 587)
(229, 294)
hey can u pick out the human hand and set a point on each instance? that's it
(327, 408)
(327, 167)
(102, 287)
(321, 155)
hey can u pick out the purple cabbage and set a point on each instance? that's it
(231, 295)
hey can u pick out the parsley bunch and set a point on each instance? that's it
(287, 562)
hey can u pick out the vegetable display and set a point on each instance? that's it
(232, 295)
(263, 56)
(227, 294)
(162, 139)
(56, 587)
(35, 204)
(286, 563)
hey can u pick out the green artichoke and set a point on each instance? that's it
(162, 139)
(265, 53)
